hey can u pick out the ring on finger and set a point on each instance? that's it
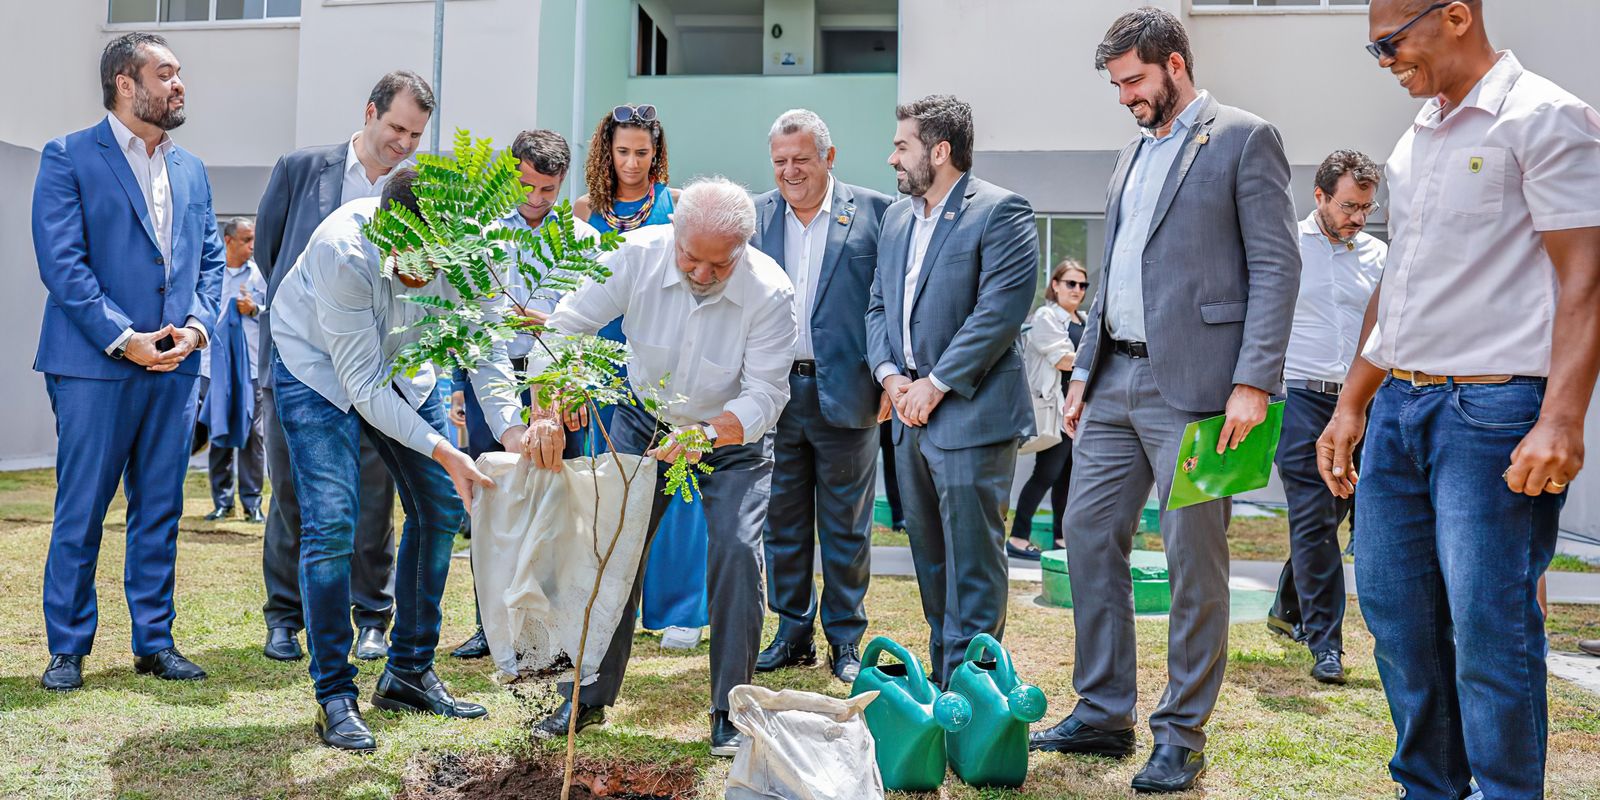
(1557, 485)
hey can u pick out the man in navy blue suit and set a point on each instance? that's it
(825, 234)
(128, 250)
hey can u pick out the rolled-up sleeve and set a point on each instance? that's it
(350, 329)
(768, 355)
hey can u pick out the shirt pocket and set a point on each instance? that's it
(721, 380)
(1474, 180)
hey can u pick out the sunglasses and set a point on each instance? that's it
(639, 113)
(1071, 284)
(1387, 47)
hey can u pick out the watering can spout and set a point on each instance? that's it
(1026, 702)
(952, 712)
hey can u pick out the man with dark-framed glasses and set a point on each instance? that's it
(1473, 438)
(1339, 268)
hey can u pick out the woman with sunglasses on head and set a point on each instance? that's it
(626, 173)
(1057, 327)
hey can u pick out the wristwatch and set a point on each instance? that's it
(710, 431)
(120, 351)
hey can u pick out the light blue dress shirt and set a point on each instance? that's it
(1152, 163)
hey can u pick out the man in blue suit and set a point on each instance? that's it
(957, 266)
(128, 251)
(825, 234)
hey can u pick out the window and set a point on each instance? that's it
(161, 12)
(1061, 238)
(1279, 3)
(859, 50)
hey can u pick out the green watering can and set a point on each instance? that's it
(993, 749)
(909, 719)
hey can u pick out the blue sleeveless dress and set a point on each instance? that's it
(674, 593)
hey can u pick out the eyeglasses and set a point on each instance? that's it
(639, 113)
(1359, 208)
(1071, 284)
(1387, 46)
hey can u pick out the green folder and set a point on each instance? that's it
(1201, 475)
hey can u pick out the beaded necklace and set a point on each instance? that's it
(634, 220)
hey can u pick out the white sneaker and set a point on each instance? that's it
(678, 638)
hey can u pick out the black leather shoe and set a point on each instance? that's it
(1286, 629)
(169, 665)
(370, 645)
(1171, 768)
(1590, 646)
(556, 723)
(64, 674)
(845, 661)
(254, 515)
(782, 654)
(339, 724)
(476, 647)
(282, 645)
(724, 737)
(219, 513)
(421, 692)
(1072, 736)
(1329, 668)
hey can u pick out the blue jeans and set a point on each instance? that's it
(1448, 561)
(324, 455)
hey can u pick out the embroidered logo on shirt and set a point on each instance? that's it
(1475, 164)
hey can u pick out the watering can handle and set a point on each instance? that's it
(919, 679)
(1005, 674)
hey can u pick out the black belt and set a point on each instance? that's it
(1320, 387)
(1131, 349)
(807, 369)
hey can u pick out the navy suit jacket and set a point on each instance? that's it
(96, 247)
(304, 189)
(848, 394)
(973, 294)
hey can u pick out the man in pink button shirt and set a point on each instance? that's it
(1474, 433)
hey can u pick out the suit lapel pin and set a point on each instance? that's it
(844, 216)
(949, 215)
(1202, 138)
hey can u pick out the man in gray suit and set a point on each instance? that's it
(825, 234)
(305, 187)
(1202, 269)
(957, 267)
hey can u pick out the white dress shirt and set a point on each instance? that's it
(1469, 195)
(356, 185)
(249, 276)
(150, 171)
(334, 323)
(517, 286)
(729, 352)
(803, 249)
(1336, 281)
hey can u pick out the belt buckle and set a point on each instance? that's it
(1416, 379)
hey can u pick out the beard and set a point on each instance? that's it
(1332, 230)
(1164, 106)
(156, 112)
(914, 179)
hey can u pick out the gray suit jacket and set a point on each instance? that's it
(304, 189)
(972, 296)
(848, 394)
(1221, 266)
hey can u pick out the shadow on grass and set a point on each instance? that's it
(233, 761)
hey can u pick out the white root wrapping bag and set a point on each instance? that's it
(802, 746)
(535, 555)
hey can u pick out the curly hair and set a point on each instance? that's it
(598, 173)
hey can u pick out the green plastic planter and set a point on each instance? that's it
(1152, 591)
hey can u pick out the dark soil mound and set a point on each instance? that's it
(452, 777)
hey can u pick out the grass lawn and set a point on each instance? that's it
(246, 732)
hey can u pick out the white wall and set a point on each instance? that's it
(799, 21)
(490, 71)
(239, 81)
